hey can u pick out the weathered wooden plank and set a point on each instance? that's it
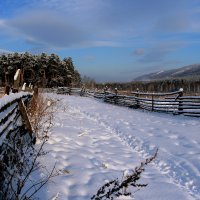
(25, 117)
(156, 94)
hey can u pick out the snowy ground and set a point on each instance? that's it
(93, 142)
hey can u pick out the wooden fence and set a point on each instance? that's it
(11, 111)
(172, 102)
(16, 136)
(70, 91)
(13, 116)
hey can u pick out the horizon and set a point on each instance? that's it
(109, 41)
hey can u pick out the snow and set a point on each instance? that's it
(16, 74)
(181, 71)
(24, 87)
(9, 98)
(6, 112)
(159, 72)
(11, 119)
(93, 142)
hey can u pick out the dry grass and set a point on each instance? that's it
(41, 113)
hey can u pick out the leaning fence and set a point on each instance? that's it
(11, 113)
(16, 137)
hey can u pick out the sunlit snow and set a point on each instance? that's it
(93, 142)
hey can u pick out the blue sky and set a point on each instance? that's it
(108, 40)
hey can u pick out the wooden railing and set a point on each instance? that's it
(12, 115)
(171, 102)
(16, 134)
(69, 90)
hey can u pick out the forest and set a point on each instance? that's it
(42, 70)
(190, 85)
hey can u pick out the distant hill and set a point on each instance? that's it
(183, 72)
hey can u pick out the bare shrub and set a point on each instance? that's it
(41, 113)
(115, 188)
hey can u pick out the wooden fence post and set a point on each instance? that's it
(137, 100)
(70, 90)
(152, 102)
(115, 97)
(180, 108)
(34, 100)
(105, 89)
(116, 91)
(17, 80)
(25, 118)
(82, 93)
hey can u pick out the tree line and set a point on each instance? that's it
(43, 70)
(190, 85)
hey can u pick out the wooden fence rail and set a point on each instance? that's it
(15, 136)
(12, 117)
(171, 102)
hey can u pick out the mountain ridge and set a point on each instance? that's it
(182, 72)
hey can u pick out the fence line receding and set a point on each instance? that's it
(170, 102)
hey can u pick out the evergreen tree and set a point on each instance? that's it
(43, 70)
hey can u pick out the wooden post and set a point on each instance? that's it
(70, 90)
(17, 80)
(7, 90)
(152, 103)
(180, 108)
(116, 91)
(35, 92)
(115, 97)
(137, 100)
(34, 100)
(24, 87)
(82, 93)
(25, 118)
(105, 92)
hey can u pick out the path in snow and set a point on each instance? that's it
(96, 142)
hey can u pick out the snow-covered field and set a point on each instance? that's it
(92, 142)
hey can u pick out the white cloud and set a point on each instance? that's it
(159, 52)
(47, 28)
(74, 23)
(54, 30)
(3, 51)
